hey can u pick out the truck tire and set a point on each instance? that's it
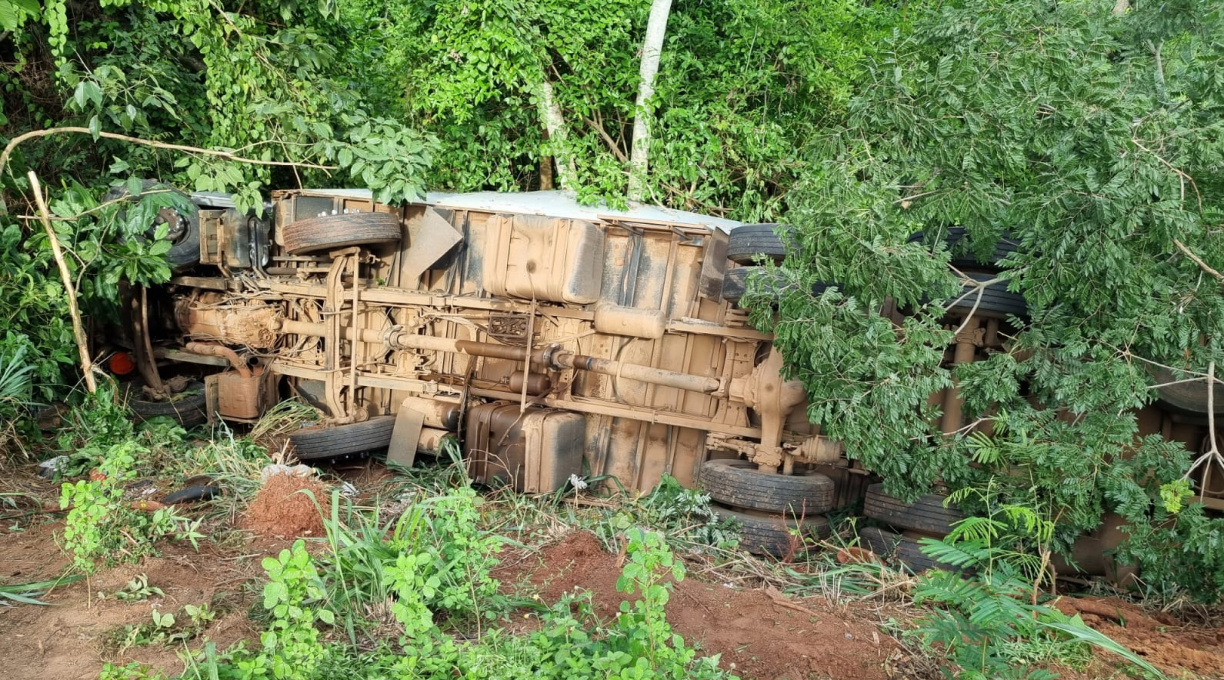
(738, 484)
(769, 534)
(735, 283)
(185, 235)
(751, 243)
(900, 549)
(188, 409)
(332, 232)
(996, 301)
(1189, 399)
(927, 514)
(956, 241)
(339, 440)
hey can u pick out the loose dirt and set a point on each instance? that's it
(1163, 640)
(759, 634)
(67, 639)
(285, 507)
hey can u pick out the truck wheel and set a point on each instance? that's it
(1189, 399)
(769, 534)
(735, 283)
(997, 300)
(901, 549)
(186, 408)
(326, 442)
(184, 235)
(956, 240)
(739, 484)
(927, 514)
(751, 243)
(332, 232)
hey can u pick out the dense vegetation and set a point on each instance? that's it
(1090, 131)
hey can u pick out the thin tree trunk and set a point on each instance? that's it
(78, 329)
(652, 48)
(1121, 6)
(554, 123)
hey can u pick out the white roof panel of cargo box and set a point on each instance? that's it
(561, 204)
(552, 204)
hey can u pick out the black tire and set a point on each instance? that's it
(899, 549)
(340, 440)
(927, 514)
(192, 493)
(185, 249)
(735, 283)
(957, 242)
(738, 484)
(751, 243)
(996, 302)
(332, 232)
(769, 534)
(188, 409)
(1188, 399)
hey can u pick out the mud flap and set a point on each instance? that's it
(408, 425)
(429, 238)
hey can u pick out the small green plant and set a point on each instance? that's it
(102, 528)
(986, 616)
(27, 593)
(435, 549)
(136, 590)
(165, 628)
(132, 671)
(683, 516)
(293, 595)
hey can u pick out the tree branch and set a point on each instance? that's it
(1197, 260)
(78, 329)
(226, 155)
(612, 145)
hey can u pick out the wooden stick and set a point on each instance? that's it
(78, 331)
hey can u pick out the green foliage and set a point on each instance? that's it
(135, 590)
(27, 593)
(985, 617)
(1092, 139)
(132, 671)
(434, 550)
(292, 595)
(102, 528)
(741, 84)
(435, 600)
(165, 628)
(683, 516)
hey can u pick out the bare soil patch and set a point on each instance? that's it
(1165, 641)
(66, 639)
(759, 634)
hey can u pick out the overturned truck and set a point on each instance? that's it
(545, 338)
(550, 339)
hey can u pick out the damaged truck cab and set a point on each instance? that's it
(547, 338)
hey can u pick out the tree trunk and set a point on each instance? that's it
(554, 124)
(652, 48)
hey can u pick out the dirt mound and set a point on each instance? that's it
(283, 507)
(1160, 638)
(65, 640)
(760, 634)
